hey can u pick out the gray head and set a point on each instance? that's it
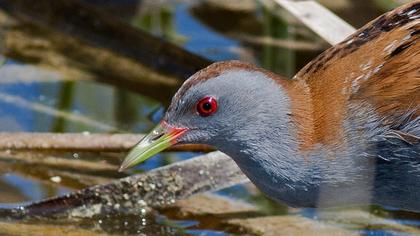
(233, 106)
(230, 105)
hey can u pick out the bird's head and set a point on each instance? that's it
(228, 105)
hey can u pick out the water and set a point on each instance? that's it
(35, 100)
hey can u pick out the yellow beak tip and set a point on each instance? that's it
(123, 167)
(157, 140)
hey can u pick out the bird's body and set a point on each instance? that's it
(345, 130)
(356, 109)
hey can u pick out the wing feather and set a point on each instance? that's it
(378, 65)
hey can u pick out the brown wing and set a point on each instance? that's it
(378, 64)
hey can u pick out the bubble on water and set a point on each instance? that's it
(143, 211)
(141, 202)
(56, 179)
(84, 211)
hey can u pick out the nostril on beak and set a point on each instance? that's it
(157, 136)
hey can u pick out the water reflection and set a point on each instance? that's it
(72, 106)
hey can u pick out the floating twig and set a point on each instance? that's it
(319, 19)
(158, 187)
(80, 142)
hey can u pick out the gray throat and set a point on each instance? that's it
(262, 142)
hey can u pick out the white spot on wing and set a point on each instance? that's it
(378, 68)
(414, 17)
(355, 85)
(411, 12)
(367, 65)
(391, 47)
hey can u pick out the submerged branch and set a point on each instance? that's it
(159, 187)
(80, 142)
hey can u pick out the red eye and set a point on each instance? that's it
(207, 106)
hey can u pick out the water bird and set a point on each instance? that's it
(344, 131)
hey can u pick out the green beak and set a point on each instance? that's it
(161, 137)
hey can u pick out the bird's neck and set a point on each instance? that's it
(302, 112)
(266, 146)
(282, 153)
(275, 168)
(317, 116)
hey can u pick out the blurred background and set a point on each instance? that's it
(111, 66)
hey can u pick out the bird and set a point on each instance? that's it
(345, 130)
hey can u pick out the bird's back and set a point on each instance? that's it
(366, 91)
(377, 68)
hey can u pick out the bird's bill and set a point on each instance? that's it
(161, 137)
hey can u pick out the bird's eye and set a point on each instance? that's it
(206, 106)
